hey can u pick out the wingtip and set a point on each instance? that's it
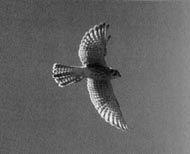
(103, 24)
(123, 127)
(114, 119)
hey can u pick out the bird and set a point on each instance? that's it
(92, 52)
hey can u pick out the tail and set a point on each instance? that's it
(66, 75)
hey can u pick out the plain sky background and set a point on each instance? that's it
(150, 47)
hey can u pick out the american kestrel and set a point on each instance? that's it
(92, 52)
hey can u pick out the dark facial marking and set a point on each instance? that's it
(115, 73)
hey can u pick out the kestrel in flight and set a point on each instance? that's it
(92, 52)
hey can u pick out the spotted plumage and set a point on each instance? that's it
(92, 52)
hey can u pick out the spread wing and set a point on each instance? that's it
(93, 45)
(105, 102)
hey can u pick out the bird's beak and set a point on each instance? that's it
(119, 75)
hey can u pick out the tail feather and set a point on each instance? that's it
(66, 75)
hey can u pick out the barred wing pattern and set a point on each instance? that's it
(93, 45)
(105, 102)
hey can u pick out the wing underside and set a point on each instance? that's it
(105, 102)
(93, 45)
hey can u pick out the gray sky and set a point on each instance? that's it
(149, 46)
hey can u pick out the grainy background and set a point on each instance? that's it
(149, 45)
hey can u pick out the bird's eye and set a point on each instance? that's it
(114, 73)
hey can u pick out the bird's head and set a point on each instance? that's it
(115, 74)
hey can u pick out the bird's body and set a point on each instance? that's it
(92, 51)
(99, 72)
